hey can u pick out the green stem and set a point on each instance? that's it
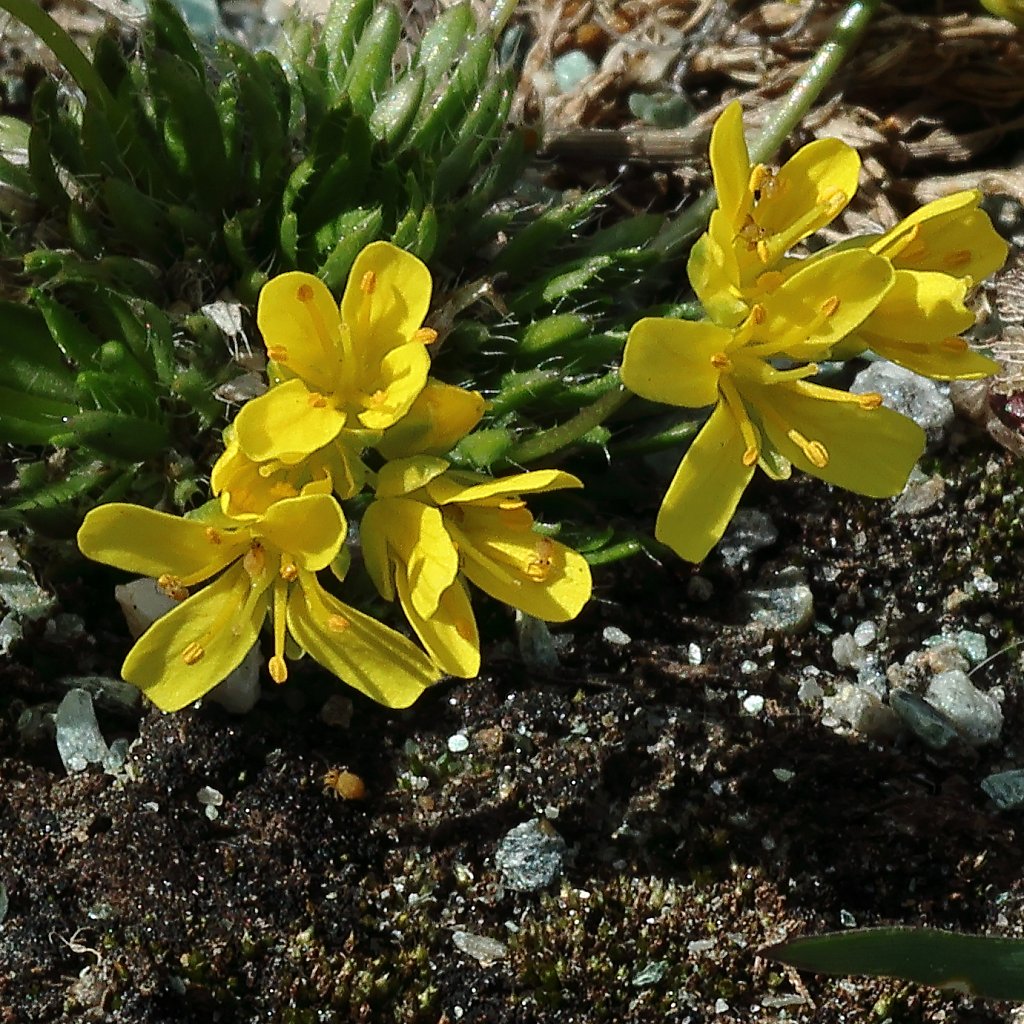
(787, 115)
(555, 438)
(64, 48)
(615, 553)
(673, 437)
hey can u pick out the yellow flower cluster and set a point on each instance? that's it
(772, 316)
(345, 380)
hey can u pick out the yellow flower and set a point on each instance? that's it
(763, 414)
(347, 373)
(267, 566)
(1011, 10)
(762, 214)
(948, 236)
(430, 526)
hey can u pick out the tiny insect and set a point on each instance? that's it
(345, 785)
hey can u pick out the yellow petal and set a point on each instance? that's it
(869, 451)
(441, 416)
(244, 490)
(310, 528)
(810, 189)
(288, 423)
(184, 654)
(730, 164)
(525, 570)
(401, 378)
(715, 275)
(670, 361)
(416, 538)
(457, 486)
(917, 325)
(359, 650)
(150, 543)
(449, 635)
(950, 236)
(823, 301)
(705, 490)
(374, 532)
(403, 476)
(301, 328)
(386, 298)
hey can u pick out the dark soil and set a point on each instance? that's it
(127, 904)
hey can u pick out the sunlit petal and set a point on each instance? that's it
(450, 634)
(358, 649)
(188, 651)
(671, 361)
(287, 423)
(150, 543)
(441, 416)
(705, 490)
(730, 163)
(311, 528)
(403, 476)
(401, 378)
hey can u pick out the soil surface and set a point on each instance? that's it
(696, 831)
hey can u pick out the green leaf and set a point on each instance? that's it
(545, 337)
(137, 218)
(356, 230)
(191, 128)
(394, 115)
(29, 419)
(990, 967)
(541, 235)
(15, 176)
(370, 67)
(442, 43)
(74, 339)
(482, 448)
(170, 33)
(30, 362)
(342, 28)
(120, 436)
(439, 119)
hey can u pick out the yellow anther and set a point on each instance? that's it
(764, 252)
(337, 623)
(277, 353)
(957, 258)
(830, 306)
(720, 361)
(369, 283)
(213, 536)
(193, 653)
(255, 561)
(289, 571)
(770, 280)
(815, 451)
(869, 400)
(172, 587)
(539, 567)
(761, 178)
(758, 314)
(278, 669)
(425, 335)
(376, 400)
(834, 201)
(317, 401)
(750, 456)
(304, 293)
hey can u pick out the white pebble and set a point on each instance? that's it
(865, 634)
(459, 743)
(694, 655)
(614, 635)
(754, 704)
(210, 797)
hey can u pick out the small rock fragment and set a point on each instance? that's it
(783, 602)
(10, 633)
(108, 693)
(614, 635)
(337, 711)
(572, 68)
(536, 645)
(976, 715)
(529, 856)
(79, 740)
(750, 531)
(482, 949)
(863, 710)
(927, 723)
(920, 496)
(865, 634)
(142, 603)
(239, 692)
(18, 588)
(458, 743)
(847, 653)
(753, 704)
(651, 974)
(925, 401)
(1005, 788)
